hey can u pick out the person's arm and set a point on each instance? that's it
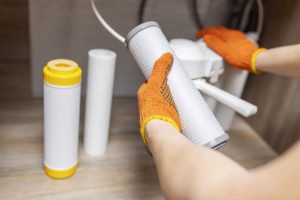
(188, 171)
(281, 60)
(240, 52)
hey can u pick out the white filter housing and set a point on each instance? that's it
(198, 60)
(233, 82)
(147, 43)
(100, 79)
(206, 67)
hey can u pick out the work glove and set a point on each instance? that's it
(154, 98)
(233, 46)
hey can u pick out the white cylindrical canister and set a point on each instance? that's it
(100, 79)
(62, 80)
(147, 43)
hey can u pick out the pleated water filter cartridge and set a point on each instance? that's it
(147, 43)
(100, 79)
(62, 82)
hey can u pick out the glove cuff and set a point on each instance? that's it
(253, 68)
(159, 117)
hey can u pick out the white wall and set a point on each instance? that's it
(68, 29)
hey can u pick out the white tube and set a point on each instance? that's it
(241, 106)
(61, 117)
(105, 24)
(101, 69)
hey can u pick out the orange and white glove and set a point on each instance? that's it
(233, 46)
(154, 97)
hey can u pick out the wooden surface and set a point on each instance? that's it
(277, 97)
(126, 171)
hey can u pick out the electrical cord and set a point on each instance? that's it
(260, 20)
(195, 14)
(193, 9)
(260, 17)
(141, 11)
(245, 17)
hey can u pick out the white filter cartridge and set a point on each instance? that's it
(62, 80)
(147, 43)
(100, 79)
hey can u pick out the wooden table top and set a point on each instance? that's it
(126, 171)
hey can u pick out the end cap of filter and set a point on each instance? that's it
(60, 174)
(139, 28)
(62, 72)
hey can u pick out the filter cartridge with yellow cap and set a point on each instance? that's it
(62, 82)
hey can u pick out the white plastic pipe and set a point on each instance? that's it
(243, 107)
(101, 69)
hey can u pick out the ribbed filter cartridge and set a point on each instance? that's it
(147, 43)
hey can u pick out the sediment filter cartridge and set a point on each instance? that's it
(62, 80)
(100, 79)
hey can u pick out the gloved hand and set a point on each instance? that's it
(154, 97)
(233, 46)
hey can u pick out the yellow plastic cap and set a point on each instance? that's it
(60, 174)
(62, 72)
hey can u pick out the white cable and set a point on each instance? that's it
(260, 17)
(105, 24)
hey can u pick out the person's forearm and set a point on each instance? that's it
(189, 171)
(281, 60)
(280, 178)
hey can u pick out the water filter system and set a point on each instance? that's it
(221, 86)
(146, 42)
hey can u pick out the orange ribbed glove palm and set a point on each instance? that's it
(154, 97)
(233, 46)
